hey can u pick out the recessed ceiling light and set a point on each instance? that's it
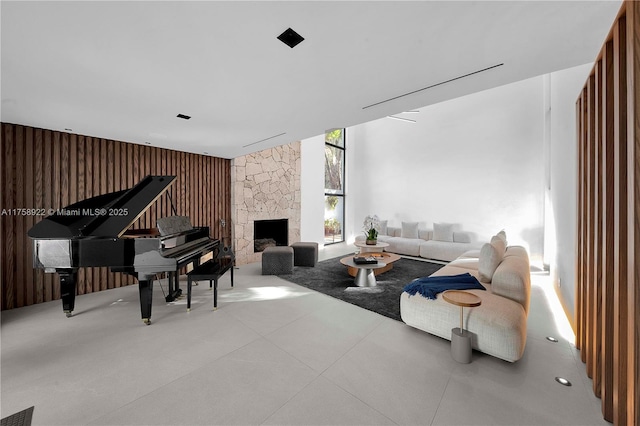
(290, 38)
(185, 117)
(563, 381)
(552, 339)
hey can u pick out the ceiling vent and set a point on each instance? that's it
(185, 117)
(290, 38)
(435, 85)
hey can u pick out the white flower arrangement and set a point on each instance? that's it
(371, 227)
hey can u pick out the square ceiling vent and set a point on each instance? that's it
(290, 38)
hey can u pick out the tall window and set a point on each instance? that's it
(334, 149)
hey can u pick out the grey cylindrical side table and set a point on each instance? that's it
(461, 338)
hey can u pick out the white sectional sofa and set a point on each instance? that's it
(439, 243)
(499, 324)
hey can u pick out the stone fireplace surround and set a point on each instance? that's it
(264, 185)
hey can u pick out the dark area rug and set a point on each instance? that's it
(331, 278)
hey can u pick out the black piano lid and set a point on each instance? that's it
(107, 215)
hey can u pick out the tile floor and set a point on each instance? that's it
(273, 353)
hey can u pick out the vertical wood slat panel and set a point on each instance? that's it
(9, 254)
(620, 224)
(28, 219)
(607, 264)
(39, 203)
(611, 207)
(48, 201)
(596, 322)
(579, 221)
(20, 238)
(51, 170)
(591, 173)
(633, 144)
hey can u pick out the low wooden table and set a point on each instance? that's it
(387, 258)
(461, 338)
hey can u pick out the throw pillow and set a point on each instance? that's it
(383, 227)
(443, 232)
(409, 230)
(500, 245)
(502, 234)
(488, 262)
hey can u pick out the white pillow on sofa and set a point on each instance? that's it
(383, 227)
(409, 230)
(490, 258)
(443, 232)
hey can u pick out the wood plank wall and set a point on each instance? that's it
(608, 225)
(44, 169)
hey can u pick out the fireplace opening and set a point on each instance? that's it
(273, 232)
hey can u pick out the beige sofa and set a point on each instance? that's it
(440, 243)
(499, 324)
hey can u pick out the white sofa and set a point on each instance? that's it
(499, 324)
(440, 243)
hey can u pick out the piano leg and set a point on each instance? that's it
(68, 290)
(174, 287)
(145, 285)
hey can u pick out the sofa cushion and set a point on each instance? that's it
(443, 232)
(409, 230)
(499, 244)
(461, 237)
(425, 234)
(441, 250)
(406, 246)
(512, 279)
(383, 227)
(490, 258)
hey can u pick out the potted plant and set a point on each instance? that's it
(371, 229)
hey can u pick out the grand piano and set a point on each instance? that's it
(95, 232)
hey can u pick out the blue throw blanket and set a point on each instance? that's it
(429, 287)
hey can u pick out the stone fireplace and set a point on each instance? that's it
(265, 186)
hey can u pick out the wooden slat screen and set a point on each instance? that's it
(608, 223)
(44, 169)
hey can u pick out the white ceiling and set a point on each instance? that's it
(124, 70)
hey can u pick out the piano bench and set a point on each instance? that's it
(210, 271)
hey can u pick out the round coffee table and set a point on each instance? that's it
(461, 338)
(371, 248)
(385, 257)
(365, 276)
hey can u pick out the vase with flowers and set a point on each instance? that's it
(371, 229)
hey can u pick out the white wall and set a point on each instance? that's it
(312, 182)
(486, 161)
(565, 86)
(476, 161)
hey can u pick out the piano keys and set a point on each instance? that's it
(95, 233)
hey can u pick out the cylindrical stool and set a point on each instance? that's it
(461, 338)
